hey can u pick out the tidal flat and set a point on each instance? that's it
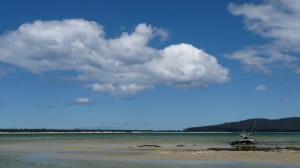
(145, 150)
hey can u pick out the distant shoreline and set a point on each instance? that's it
(126, 132)
(257, 125)
(109, 132)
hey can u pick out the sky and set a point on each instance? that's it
(171, 64)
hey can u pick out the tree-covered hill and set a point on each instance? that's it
(262, 125)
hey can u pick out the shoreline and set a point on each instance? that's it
(113, 132)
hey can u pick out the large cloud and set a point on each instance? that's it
(122, 65)
(276, 20)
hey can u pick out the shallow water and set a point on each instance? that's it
(114, 139)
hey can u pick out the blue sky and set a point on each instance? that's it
(147, 64)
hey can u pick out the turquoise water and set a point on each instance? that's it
(14, 149)
(204, 140)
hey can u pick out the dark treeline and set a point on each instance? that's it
(262, 125)
(44, 130)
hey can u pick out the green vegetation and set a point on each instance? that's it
(262, 125)
(254, 148)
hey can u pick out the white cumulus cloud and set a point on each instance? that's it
(261, 88)
(123, 65)
(277, 20)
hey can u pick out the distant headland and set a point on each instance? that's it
(291, 124)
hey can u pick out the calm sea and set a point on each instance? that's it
(204, 140)
(13, 147)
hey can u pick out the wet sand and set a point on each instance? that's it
(190, 153)
(149, 152)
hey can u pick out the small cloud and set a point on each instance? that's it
(261, 88)
(80, 101)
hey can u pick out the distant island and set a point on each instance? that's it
(262, 125)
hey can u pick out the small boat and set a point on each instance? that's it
(245, 139)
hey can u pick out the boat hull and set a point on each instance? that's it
(243, 142)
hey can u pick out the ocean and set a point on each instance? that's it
(44, 150)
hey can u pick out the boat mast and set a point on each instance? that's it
(253, 126)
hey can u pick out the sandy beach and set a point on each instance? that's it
(153, 152)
